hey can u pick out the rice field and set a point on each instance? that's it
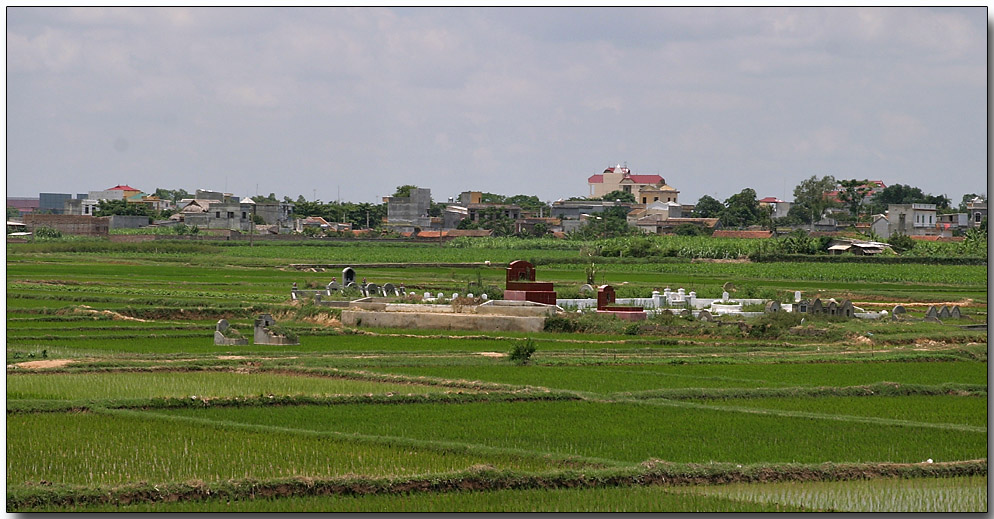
(118, 400)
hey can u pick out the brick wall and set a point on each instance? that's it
(69, 224)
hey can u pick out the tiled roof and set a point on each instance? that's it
(742, 234)
(123, 188)
(770, 200)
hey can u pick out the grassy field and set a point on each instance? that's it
(118, 400)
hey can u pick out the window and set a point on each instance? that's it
(977, 217)
(644, 199)
(231, 214)
(656, 199)
(217, 214)
(244, 215)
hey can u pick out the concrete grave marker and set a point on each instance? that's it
(372, 289)
(944, 312)
(705, 316)
(797, 296)
(898, 311)
(348, 275)
(817, 307)
(389, 290)
(221, 335)
(955, 313)
(586, 289)
(772, 307)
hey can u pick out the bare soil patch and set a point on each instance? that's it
(42, 364)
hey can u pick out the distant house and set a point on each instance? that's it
(780, 207)
(977, 211)
(24, 205)
(69, 224)
(858, 247)
(658, 224)
(574, 209)
(911, 219)
(620, 178)
(407, 213)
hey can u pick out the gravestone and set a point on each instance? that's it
(605, 296)
(484, 296)
(389, 290)
(728, 287)
(955, 313)
(333, 286)
(351, 284)
(440, 296)
(898, 310)
(833, 308)
(586, 289)
(455, 295)
(317, 298)
(470, 295)
(372, 289)
(803, 307)
(944, 312)
(520, 270)
(797, 296)
(816, 307)
(402, 291)
(705, 316)
(772, 307)
(685, 313)
(724, 297)
(348, 275)
(932, 315)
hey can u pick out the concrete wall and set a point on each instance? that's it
(119, 221)
(442, 321)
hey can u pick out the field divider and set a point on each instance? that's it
(390, 441)
(479, 478)
(804, 414)
(878, 389)
(18, 406)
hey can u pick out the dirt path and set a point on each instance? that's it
(42, 364)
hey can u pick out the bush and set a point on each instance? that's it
(901, 242)
(521, 353)
(47, 232)
(556, 323)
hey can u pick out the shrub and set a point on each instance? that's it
(47, 232)
(556, 323)
(901, 242)
(521, 353)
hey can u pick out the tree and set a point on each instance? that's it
(688, 229)
(527, 202)
(174, 195)
(852, 194)
(404, 190)
(619, 195)
(708, 207)
(120, 207)
(13, 212)
(969, 198)
(902, 194)
(741, 209)
(811, 194)
(271, 199)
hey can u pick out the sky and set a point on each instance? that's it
(349, 103)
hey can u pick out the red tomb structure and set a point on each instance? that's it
(521, 285)
(605, 300)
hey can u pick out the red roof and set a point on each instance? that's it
(123, 188)
(771, 200)
(638, 179)
(742, 234)
(646, 179)
(938, 238)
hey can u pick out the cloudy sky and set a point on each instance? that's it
(350, 103)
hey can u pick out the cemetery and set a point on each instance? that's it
(527, 302)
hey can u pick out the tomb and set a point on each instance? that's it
(263, 334)
(520, 285)
(944, 312)
(225, 335)
(772, 307)
(348, 276)
(705, 316)
(606, 304)
(955, 313)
